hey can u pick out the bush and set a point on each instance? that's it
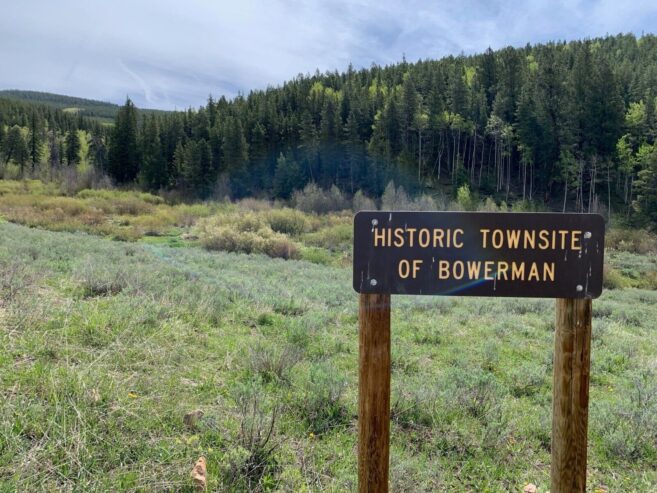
(314, 199)
(272, 363)
(334, 238)
(488, 205)
(423, 203)
(97, 280)
(316, 255)
(321, 406)
(362, 202)
(613, 279)
(250, 460)
(247, 237)
(256, 205)
(631, 240)
(395, 199)
(287, 221)
(465, 199)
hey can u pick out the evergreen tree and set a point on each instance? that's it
(287, 177)
(15, 148)
(123, 163)
(35, 139)
(153, 174)
(72, 148)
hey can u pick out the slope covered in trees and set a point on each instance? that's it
(570, 125)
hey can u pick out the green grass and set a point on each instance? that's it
(107, 345)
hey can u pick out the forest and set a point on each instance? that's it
(565, 126)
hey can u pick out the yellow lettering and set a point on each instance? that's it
(498, 238)
(502, 268)
(424, 237)
(548, 271)
(379, 234)
(574, 240)
(517, 271)
(513, 237)
(563, 234)
(404, 268)
(488, 268)
(443, 269)
(411, 235)
(460, 243)
(533, 272)
(399, 237)
(458, 274)
(544, 239)
(438, 237)
(484, 233)
(530, 239)
(473, 270)
(416, 267)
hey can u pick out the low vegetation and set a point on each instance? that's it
(108, 345)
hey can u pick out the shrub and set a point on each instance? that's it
(321, 406)
(362, 202)
(631, 240)
(14, 278)
(630, 431)
(287, 221)
(256, 205)
(334, 238)
(394, 199)
(423, 203)
(613, 279)
(97, 280)
(251, 460)
(243, 239)
(314, 199)
(465, 199)
(273, 363)
(488, 205)
(316, 255)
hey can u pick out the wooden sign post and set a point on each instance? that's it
(537, 255)
(570, 395)
(373, 392)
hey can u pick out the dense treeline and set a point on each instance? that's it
(571, 125)
(34, 136)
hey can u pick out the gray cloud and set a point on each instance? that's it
(172, 54)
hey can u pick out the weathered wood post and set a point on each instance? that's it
(374, 393)
(570, 408)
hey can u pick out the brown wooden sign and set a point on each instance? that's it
(524, 255)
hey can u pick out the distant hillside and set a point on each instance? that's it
(100, 110)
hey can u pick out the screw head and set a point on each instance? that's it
(373, 282)
(375, 222)
(579, 288)
(587, 235)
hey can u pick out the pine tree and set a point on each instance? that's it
(287, 178)
(72, 147)
(153, 173)
(15, 148)
(123, 163)
(35, 139)
(234, 146)
(197, 169)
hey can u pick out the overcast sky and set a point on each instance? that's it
(173, 54)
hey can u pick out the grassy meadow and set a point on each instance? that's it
(245, 313)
